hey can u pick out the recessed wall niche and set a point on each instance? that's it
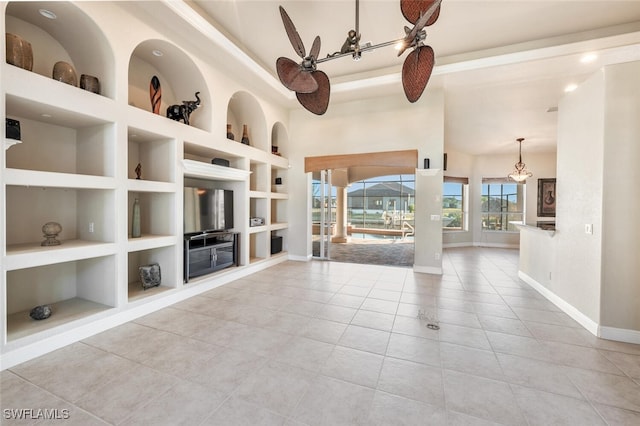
(244, 109)
(71, 37)
(279, 139)
(179, 80)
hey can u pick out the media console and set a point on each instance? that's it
(209, 252)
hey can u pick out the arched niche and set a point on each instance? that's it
(279, 139)
(72, 36)
(244, 109)
(179, 80)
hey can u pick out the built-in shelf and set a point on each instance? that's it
(198, 169)
(8, 143)
(27, 255)
(77, 164)
(20, 324)
(169, 274)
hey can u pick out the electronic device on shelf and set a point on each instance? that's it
(256, 221)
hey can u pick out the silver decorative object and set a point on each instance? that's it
(40, 312)
(150, 275)
(51, 231)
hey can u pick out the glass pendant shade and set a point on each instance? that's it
(520, 173)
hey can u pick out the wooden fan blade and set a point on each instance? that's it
(294, 77)
(318, 101)
(315, 48)
(292, 33)
(416, 72)
(411, 10)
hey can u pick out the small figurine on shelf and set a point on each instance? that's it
(51, 231)
(230, 134)
(139, 171)
(183, 112)
(245, 135)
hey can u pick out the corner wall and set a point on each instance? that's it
(620, 304)
(579, 186)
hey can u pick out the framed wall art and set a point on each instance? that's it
(547, 197)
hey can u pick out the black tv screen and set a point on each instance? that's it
(207, 210)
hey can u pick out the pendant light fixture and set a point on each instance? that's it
(520, 174)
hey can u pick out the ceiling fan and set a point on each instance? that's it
(312, 86)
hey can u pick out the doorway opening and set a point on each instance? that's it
(362, 208)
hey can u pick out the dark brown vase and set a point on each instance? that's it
(230, 134)
(90, 83)
(245, 135)
(64, 72)
(19, 52)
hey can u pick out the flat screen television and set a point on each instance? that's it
(207, 210)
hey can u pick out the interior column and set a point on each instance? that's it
(341, 216)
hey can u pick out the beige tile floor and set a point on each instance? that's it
(325, 343)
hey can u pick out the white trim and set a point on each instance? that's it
(306, 258)
(427, 269)
(592, 326)
(462, 244)
(496, 245)
(620, 334)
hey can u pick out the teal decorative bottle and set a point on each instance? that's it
(135, 226)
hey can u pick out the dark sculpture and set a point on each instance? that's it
(40, 312)
(182, 112)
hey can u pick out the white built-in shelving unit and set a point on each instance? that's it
(75, 165)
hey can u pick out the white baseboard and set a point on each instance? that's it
(427, 269)
(301, 258)
(456, 245)
(620, 334)
(582, 319)
(496, 245)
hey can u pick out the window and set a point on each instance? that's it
(385, 202)
(502, 204)
(454, 204)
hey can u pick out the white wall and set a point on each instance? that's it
(620, 304)
(580, 189)
(367, 125)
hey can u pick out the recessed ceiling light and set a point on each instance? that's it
(48, 14)
(588, 58)
(157, 52)
(45, 115)
(571, 87)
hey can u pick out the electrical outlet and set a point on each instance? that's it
(437, 256)
(91, 227)
(588, 228)
(435, 217)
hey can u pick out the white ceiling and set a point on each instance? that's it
(502, 63)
